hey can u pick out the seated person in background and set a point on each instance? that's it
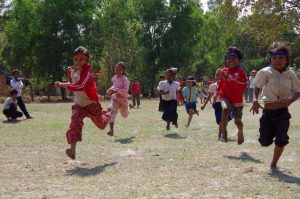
(10, 106)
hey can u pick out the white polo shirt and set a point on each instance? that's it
(276, 86)
(172, 88)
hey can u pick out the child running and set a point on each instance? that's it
(190, 93)
(279, 87)
(212, 93)
(86, 99)
(168, 90)
(119, 95)
(230, 89)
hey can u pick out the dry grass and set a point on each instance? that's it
(142, 160)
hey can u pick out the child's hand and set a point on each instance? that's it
(255, 107)
(224, 75)
(58, 84)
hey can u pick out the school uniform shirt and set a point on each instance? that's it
(83, 86)
(233, 87)
(16, 85)
(212, 90)
(251, 80)
(276, 86)
(172, 88)
(7, 102)
(190, 93)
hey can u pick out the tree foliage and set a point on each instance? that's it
(38, 37)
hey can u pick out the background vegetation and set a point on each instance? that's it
(38, 36)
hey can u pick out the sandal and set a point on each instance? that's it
(70, 153)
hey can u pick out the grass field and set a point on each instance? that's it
(143, 160)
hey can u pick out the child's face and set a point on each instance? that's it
(279, 61)
(170, 76)
(16, 75)
(189, 83)
(14, 96)
(119, 70)
(232, 61)
(80, 60)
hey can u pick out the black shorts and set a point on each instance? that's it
(274, 124)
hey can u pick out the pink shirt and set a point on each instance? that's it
(121, 85)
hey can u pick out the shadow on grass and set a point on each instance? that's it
(283, 177)
(174, 136)
(12, 122)
(86, 172)
(244, 157)
(128, 140)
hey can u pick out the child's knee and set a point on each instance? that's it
(191, 111)
(238, 122)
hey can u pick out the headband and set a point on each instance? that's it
(273, 54)
(231, 55)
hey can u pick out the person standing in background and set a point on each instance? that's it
(135, 89)
(17, 84)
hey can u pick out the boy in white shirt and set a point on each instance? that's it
(168, 90)
(280, 87)
(17, 84)
(10, 107)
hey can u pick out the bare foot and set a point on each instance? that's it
(110, 133)
(240, 138)
(176, 125)
(186, 125)
(167, 128)
(70, 153)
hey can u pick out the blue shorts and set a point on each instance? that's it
(190, 105)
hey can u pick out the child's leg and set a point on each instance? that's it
(74, 133)
(99, 118)
(138, 100)
(114, 112)
(237, 113)
(133, 100)
(277, 154)
(111, 131)
(191, 113)
(239, 124)
(168, 125)
(224, 119)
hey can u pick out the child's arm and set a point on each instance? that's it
(85, 77)
(207, 100)
(255, 106)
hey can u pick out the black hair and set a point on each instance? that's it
(15, 71)
(13, 92)
(81, 50)
(234, 50)
(279, 47)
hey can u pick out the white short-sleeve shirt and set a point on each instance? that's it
(172, 88)
(276, 86)
(212, 90)
(17, 85)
